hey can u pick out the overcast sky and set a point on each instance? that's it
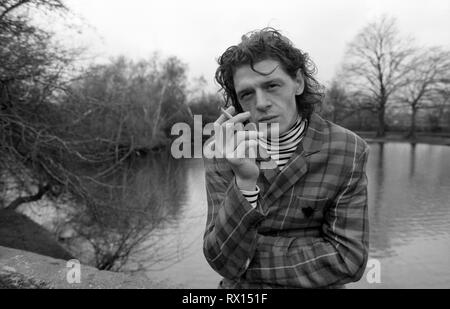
(198, 31)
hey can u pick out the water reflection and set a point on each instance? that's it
(129, 209)
(409, 209)
(410, 213)
(406, 197)
(412, 160)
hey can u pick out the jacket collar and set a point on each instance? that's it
(314, 137)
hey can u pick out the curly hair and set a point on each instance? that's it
(264, 44)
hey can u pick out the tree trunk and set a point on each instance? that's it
(32, 198)
(381, 131)
(334, 114)
(412, 128)
(158, 110)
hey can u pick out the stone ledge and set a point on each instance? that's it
(23, 269)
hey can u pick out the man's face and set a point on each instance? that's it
(269, 98)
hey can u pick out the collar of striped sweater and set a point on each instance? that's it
(282, 148)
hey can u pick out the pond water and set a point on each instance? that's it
(409, 209)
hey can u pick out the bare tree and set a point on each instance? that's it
(428, 78)
(54, 127)
(31, 73)
(376, 65)
(141, 197)
(336, 103)
(37, 147)
(60, 134)
(9, 7)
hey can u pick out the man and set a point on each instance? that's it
(304, 222)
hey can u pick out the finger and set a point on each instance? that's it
(231, 128)
(263, 154)
(226, 136)
(251, 126)
(246, 149)
(222, 118)
(231, 134)
(239, 126)
(242, 117)
(231, 110)
(241, 137)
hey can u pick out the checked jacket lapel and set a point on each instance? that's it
(296, 167)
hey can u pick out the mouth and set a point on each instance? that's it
(267, 118)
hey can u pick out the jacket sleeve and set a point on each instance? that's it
(230, 237)
(338, 257)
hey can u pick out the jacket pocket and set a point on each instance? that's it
(310, 208)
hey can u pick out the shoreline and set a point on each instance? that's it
(421, 138)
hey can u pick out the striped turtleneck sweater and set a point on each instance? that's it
(280, 150)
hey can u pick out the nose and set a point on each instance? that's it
(262, 101)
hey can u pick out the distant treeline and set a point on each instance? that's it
(388, 81)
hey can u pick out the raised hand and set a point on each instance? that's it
(239, 146)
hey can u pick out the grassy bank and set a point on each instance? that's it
(20, 232)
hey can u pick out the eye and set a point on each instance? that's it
(245, 95)
(273, 86)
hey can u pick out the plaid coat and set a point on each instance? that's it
(310, 228)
